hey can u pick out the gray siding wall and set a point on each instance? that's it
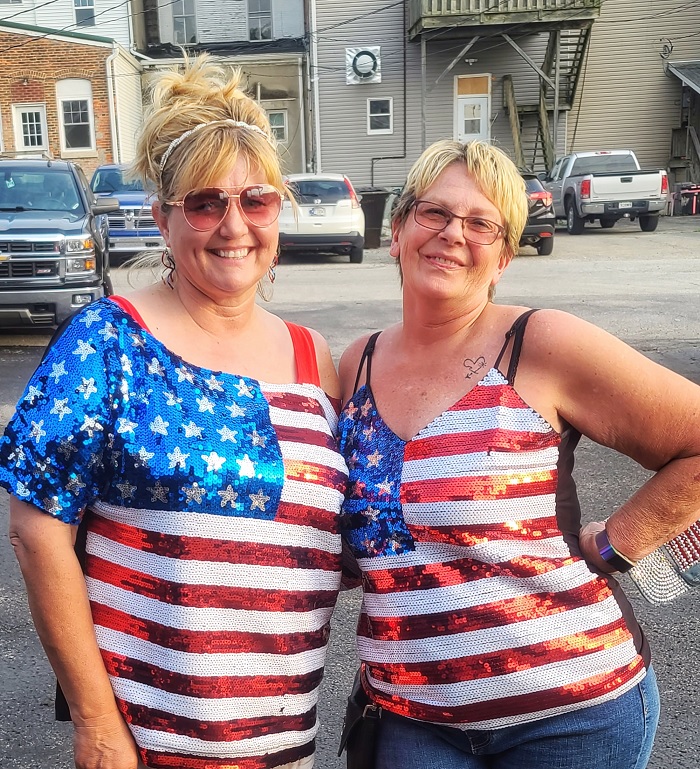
(112, 22)
(227, 20)
(345, 145)
(627, 100)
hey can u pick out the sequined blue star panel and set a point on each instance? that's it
(112, 414)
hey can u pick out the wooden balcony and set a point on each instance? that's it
(463, 15)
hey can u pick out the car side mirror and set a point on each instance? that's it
(105, 206)
(544, 177)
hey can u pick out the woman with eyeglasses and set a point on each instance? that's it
(492, 634)
(187, 434)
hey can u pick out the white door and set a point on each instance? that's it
(472, 118)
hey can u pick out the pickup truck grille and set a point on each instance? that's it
(132, 219)
(27, 247)
(28, 269)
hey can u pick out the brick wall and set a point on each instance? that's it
(29, 70)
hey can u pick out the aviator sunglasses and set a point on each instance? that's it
(259, 204)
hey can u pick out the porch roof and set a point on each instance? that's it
(688, 72)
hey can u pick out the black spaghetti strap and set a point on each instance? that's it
(518, 331)
(366, 356)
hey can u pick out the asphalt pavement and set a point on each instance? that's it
(643, 287)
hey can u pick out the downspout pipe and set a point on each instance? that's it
(302, 116)
(111, 95)
(314, 79)
(405, 102)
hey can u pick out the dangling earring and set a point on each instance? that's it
(168, 263)
(271, 271)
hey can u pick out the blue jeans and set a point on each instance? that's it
(618, 734)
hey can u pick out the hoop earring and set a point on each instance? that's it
(168, 263)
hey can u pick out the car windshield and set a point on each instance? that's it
(604, 164)
(107, 181)
(319, 190)
(45, 189)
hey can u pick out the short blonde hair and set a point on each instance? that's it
(199, 93)
(495, 175)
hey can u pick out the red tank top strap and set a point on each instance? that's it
(129, 309)
(304, 354)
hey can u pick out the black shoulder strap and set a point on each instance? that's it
(517, 330)
(366, 356)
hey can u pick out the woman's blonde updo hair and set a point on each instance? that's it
(199, 93)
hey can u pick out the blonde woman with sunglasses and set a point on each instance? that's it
(187, 436)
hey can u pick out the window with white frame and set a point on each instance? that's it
(260, 19)
(75, 116)
(30, 127)
(84, 13)
(184, 22)
(380, 116)
(278, 123)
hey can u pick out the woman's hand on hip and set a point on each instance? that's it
(104, 742)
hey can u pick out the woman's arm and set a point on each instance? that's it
(60, 609)
(326, 367)
(619, 398)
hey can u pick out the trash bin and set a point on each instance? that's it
(373, 205)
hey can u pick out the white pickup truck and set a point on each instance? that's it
(605, 186)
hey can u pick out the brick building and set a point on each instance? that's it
(73, 95)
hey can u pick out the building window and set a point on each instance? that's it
(30, 127)
(380, 116)
(260, 19)
(76, 125)
(85, 13)
(184, 22)
(278, 123)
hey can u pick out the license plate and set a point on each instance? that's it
(317, 212)
(624, 205)
(152, 244)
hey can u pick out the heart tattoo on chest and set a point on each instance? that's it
(473, 367)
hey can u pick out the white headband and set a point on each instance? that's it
(227, 121)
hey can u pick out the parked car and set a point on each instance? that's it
(326, 219)
(541, 221)
(606, 186)
(132, 228)
(53, 242)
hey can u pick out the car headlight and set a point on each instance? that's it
(80, 265)
(80, 244)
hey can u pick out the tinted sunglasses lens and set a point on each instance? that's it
(204, 209)
(261, 205)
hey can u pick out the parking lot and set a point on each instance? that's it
(643, 287)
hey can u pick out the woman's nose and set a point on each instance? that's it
(454, 231)
(234, 223)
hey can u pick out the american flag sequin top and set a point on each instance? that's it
(213, 553)
(477, 610)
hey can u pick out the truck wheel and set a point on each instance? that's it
(545, 246)
(574, 223)
(607, 224)
(356, 255)
(648, 223)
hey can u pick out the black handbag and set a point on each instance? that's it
(360, 728)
